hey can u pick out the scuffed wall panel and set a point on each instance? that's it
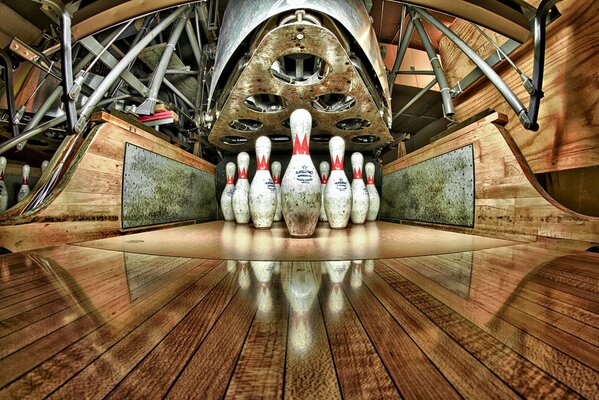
(158, 190)
(438, 190)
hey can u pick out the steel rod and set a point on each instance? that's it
(122, 65)
(495, 79)
(10, 93)
(401, 52)
(421, 93)
(436, 64)
(416, 72)
(193, 41)
(66, 71)
(149, 104)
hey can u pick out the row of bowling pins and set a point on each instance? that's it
(301, 198)
(23, 191)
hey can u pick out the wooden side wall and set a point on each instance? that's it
(569, 113)
(87, 203)
(509, 202)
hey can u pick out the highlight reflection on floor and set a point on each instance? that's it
(79, 322)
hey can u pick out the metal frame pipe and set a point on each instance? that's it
(10, 93)
(115, 73)
(401, 52)
(416, 72)
(149, 104)
(495, 79)
(193, 41)
(436, 64)
(421, 93)
(66, 70)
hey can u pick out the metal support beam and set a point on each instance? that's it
(10, 93)
(149, 104)
(401, 52)
(193, 41)
(416, 72)
(448, 110)
(495, 79)
(122, 65)
(67, 70)
(421, 93)
(110, 61)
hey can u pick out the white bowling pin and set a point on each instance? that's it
(44, 165)
(226, 199)
(263, 195)
(24, 191)
(324, 176)
(240, 199)
(300, 186)
(375, 200)
(3, 191)
(276, 178)
(337, 193)
(360, 199)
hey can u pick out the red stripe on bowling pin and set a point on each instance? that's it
(25, 180)
(370, 180)
(301, 147)
(230, 180)
(357, 173)
(337, 164)
(243, 173)
(324, 179)
(276, 179)
(262, 164)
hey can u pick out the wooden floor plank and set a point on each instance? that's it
(309, 368)
(53, 359)
(453, 360)
(412, 371)
(261, 365)
(209, 370)
(360, 370)
(527, 379)
(117, 361)
(566, 369)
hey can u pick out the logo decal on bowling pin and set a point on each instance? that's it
(240, 199)
(324, 177)
(24, 191)
(276, 178)
(337, 193)
(375, 200)
(3, 191)
(360, 199)
(300, 186)
(263, 195)
(226, 199)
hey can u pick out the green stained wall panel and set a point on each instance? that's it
(158, 190)
(438, 190)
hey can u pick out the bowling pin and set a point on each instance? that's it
(276, 178)
(240, 199)
(24, 191)
(360, 199)
(337, 193)
(3, 191)
(324, 176)
(226, 199)
(44, 165)
(375, 200)
(263, 195)
(300, 186)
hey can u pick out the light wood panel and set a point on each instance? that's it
(568, 117)
(509, 202)
(87, 203)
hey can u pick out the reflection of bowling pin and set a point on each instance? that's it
(244, 279)
(337, 193)
(44, 165)
(359, 208)
(324, 176)
(356, 274)
(240, 199)
(263, 196)
(231, 264)
(263, 270)
(276, 178)
(337, 270)
(301, 186)
(226, 199)
(24, 191)
(375, 200)
(3, 191)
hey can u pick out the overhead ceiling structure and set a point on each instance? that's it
(327, 58)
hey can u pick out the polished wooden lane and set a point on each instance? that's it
(227, 240)
(503, 322)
